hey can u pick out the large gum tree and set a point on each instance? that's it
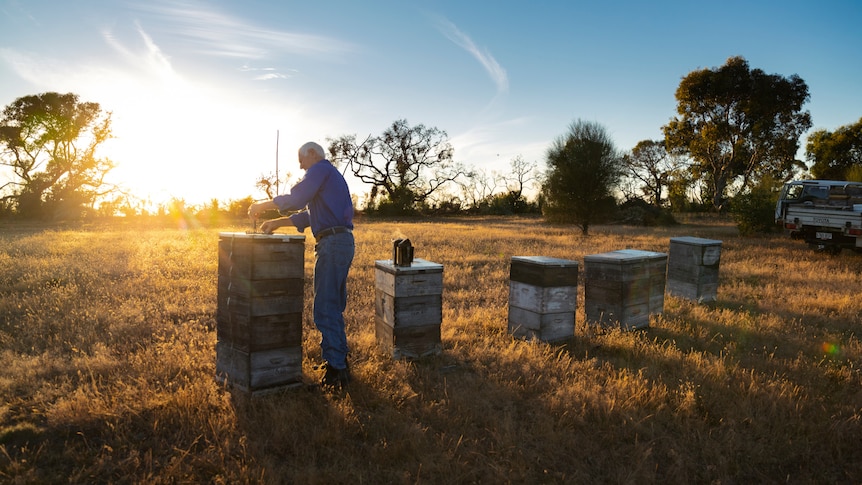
(50, 144)
(738, 125)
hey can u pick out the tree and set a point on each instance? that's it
(754, 210)
(520, 174)
(738, 125)
(480, 189)
(405, 164)
(51, 141)
(268, 183)
(477, 187)
(834, 156)
(513, 201)
(583, 169)
(679, 185)
(651, 166)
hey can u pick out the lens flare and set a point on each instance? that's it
(831, 348)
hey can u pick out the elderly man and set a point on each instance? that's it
(323, 199)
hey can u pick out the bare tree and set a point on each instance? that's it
(477, 186)
(521, 173)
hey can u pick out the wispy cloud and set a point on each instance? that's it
(492, 67)
(267, 73)
(218, 34)
(151, 60)
(33, 69)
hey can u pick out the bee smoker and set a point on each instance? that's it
(402, 252)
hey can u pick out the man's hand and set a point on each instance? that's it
(271, 225)
(268, 226)
(257, 208)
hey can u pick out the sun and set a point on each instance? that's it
(190, 145)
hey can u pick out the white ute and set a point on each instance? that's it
(826, 214)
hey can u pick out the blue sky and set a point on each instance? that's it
(199, 88)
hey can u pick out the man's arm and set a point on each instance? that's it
(303, 191)
(301, 220)
(258, 208)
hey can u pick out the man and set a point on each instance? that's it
(328, 210)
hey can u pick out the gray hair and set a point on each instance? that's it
(312, 148)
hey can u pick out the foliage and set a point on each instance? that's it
(405, 164)
(677, 191)
(738, 125)
(51, 144)
(854, 174)
(239, 208)
(509, 203)
(583, 169)
(638, 212)
(754, 211)
(834, 155)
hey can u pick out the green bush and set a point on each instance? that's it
(754, 211)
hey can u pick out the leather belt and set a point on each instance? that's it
(330, 231)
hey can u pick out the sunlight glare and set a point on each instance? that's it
(176, 138)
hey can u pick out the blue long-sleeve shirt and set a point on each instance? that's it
(324, 192)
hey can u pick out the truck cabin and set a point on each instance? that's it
(820, 193)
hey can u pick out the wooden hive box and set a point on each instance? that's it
(692, 268)
(259, 315)
(624, 287)
(259, 372)
(408, 305)
(543, 295)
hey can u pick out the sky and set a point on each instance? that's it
(208, 95)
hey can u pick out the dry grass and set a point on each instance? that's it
(108, 362)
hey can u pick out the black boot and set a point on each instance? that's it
(336, 379)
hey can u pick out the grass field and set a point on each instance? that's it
(107, 369)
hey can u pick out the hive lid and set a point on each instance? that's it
(260, 236)
(544, 261)
(695, 241)
(625, 255)
(417, 266)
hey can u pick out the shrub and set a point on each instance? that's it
(754, 211)
(638, 212)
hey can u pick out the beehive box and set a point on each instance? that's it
(259, 314)
(408, 307)
(624, 287)
(259, 372)
(543, 295)
(692, 268)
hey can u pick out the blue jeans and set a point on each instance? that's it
(333, 256)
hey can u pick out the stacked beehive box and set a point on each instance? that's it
(543, 296)
(409, 308)
(692, 268)
(259, 316)
(624, 287)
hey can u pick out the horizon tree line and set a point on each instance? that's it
(737, 129)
